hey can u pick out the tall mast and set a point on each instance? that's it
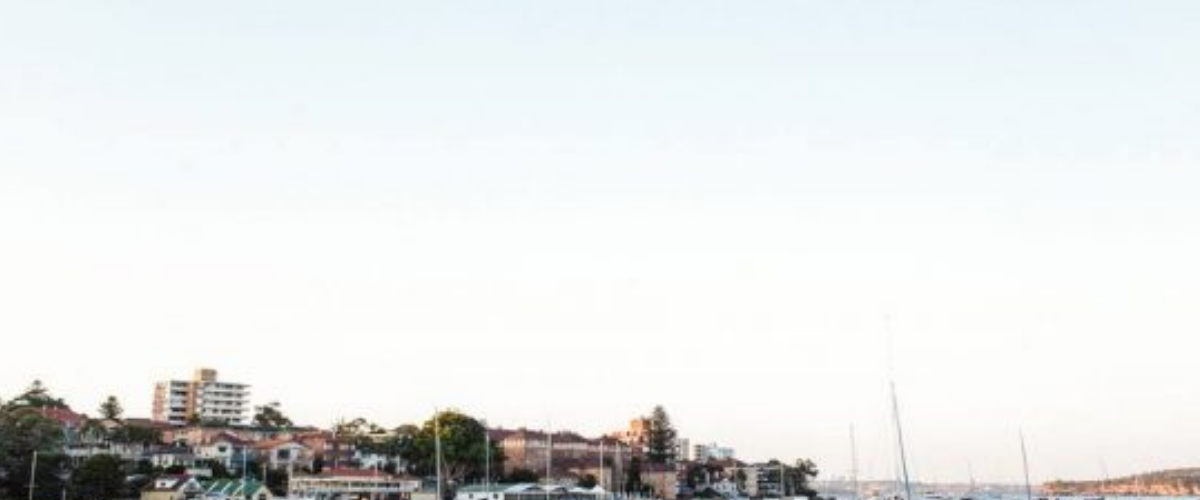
(549, 460)
(971, 477)
(487, 459)
(1025, 463)
(601, 469)
(437, 447)
(853, 464)
(900, 442)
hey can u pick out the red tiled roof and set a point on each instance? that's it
(63, 416)
(355, 473)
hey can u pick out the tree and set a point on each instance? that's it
(111, 409)
(588, 481)
(520, 475)
(99, 477)
(36, 396)
(269, 416)
(633, 479)
(800, 476)
(277, 481)
(136, 434)
(463, 447)
(660, 445)
(23, 431)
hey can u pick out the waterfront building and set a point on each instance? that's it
(203, 398)
(527, 491)
(353, 484)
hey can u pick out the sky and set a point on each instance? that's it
(549, 213)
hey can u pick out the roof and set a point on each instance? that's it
(232, 487)
(360, 473)
(227, 437)
(509, 488)
(63, 416)
(275, 443)
(177, 481)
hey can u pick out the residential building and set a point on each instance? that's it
(683, 450)
(637, 436)
(203, 398)
(236, 489)
(569, 455)
(284, 454)
(224, 448)
(763, 480)
(664, 480)
(177, 487)
(712, 451)
(170, 456)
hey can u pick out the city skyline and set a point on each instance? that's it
(755, 214)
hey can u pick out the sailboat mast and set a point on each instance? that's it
(1025, 463)
(900, 442)
(487, 459)
(971, 477)
(437, 447)
(853, 464)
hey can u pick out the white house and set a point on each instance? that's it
(284, 454)
(224, 448)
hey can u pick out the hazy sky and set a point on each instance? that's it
(567, 212)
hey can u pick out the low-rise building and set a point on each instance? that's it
(171, 456)
(177, 487)
(567, 454)
(712, 451)
(528, 491)
(353, 484)
(284, 454)
(664, 480)
(225, 449)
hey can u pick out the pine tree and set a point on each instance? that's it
(111, 409)
(660, 446)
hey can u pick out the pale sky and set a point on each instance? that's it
(567, 212)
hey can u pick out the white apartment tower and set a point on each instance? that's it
(204, 398)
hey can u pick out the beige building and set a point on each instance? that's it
(203, 398)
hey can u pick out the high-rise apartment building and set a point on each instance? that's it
(203, 398)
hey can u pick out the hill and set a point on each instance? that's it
(1175, 482)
